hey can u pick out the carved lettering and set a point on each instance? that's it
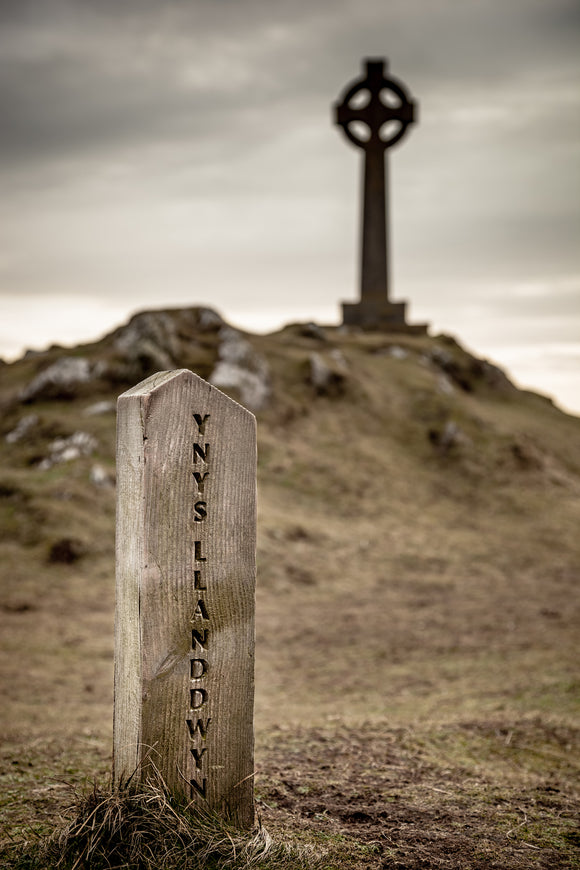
(198, 755)
(192, 515)
(201, 422)
(200, 610)
(200, 480)
(198, 725)
(200, 789)
(200, 508)
(197, 698)
(197, 553)
(198, 668)
(200, 637)
(202, 452)
(198, 583)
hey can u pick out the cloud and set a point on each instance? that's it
(134, 73)
(80, 74)
(184, 151)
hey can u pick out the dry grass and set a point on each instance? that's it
(144, 829)
(428, 593)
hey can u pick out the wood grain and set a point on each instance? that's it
(184, 660)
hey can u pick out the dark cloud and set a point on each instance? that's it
(79, 74)
(141, 142)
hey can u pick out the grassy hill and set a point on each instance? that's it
(417, 605)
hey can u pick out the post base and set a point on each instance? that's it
(382, 316)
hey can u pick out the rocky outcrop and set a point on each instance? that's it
(98, 408)
(448, 437)
(328, 373)
(241, 368)
(312, 330)
(100, 477)
(66, 449)
(60, 380)
(150, 338)
(24, 427)
(466, 371)
(156, 341)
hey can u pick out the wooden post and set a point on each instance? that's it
(186, 564)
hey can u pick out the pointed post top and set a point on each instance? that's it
(186, 565)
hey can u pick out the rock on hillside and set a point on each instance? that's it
(434, 399)
(418, 521)
(152, 341)
(414, 411)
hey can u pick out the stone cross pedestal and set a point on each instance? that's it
(384, 112)
(184, 632)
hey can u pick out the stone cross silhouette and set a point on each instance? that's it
(384, 113)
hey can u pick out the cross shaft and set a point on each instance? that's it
(378, 117)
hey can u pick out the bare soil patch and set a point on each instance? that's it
(417, 612)
(398, 798)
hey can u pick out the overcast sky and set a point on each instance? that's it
(163, 153)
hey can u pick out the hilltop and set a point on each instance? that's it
(417, 605)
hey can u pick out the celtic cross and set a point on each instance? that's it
(375, 123)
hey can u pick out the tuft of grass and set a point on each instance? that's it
(145, 828)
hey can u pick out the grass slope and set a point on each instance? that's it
(417, 606)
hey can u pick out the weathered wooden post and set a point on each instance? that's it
(184, 632)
